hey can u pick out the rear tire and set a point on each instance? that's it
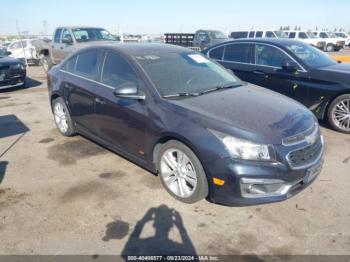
(338, 114)
(181, 172)
(62, 117)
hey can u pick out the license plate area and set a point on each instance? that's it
(313, 172)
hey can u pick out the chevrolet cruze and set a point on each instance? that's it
(186, 118)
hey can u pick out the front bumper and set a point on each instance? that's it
(12, 78)
(251, 183)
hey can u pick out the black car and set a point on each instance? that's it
(12, 71)
(179, 114)
(294, 69)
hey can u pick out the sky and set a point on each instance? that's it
(158, 17)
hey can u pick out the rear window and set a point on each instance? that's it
(237, 53)
(87, 64)
(237, 35)
(217, 53)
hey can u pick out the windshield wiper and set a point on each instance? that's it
(183, 94)
(216, 88)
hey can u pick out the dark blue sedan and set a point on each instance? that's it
(182, 116)
(295, 69)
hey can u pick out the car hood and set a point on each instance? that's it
(249, 112)
(9, 61)
(337, 72)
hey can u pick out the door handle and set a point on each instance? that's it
(258, 72)
(100, 101)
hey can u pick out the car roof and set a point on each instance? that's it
(143, 48)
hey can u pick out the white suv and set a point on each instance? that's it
(257, 34)
(345, 36)
(24, 50)
(333, 42)
(307, 37)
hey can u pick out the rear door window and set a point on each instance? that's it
(292, 35)
(217, 53)
(57, 38)
(116, 71)
(237, 53)
(303, 35)
(323, 35)
(259, 34)
(88, 63)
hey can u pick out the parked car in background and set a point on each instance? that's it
(345, 36)
(25, 50)
(294, 69)
(12, 71)
(333, 42)
(176, 113)
(307, 37)
(258, 34)
(200, 40)
(69, 39)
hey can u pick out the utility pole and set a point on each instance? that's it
(21, 41)
(45, 27)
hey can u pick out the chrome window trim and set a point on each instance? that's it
(254, 43)
(85, 78)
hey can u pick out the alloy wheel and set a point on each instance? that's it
(341, 114)
(178, 173)
(61, 117)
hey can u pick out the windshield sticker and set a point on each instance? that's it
(199, 59)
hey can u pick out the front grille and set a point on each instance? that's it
(305, 156)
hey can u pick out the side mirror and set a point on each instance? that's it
(129, 91)
(67, 40)
(8, 53)
(290, 66)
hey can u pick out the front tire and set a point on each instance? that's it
(181, 172)
(62, 117)
(339, 114)
(329, 48)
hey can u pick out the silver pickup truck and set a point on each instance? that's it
(69, 39)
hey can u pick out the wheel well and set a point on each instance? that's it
(162, 141)
(330, 101)
(44, 52)
(53, 97)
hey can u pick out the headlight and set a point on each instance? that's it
(17, 66)
(243, 149)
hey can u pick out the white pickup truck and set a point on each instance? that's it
(307, 37)
(333, 42)
(69, 39)
(345, 36)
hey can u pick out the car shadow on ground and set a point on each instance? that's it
(30, 83)
(3, 165)
(164, 220)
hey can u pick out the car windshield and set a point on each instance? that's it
(218, 35)
(185, 73)
(310, 55)
(311, 35)
(92, 34)
(281, 34)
